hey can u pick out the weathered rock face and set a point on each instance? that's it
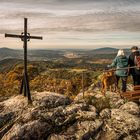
(114, 99)
(34, 120)
(56, 117)
(84, 130)
(105, 114)
(120, 125)
(131, 108)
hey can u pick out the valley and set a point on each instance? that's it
(58, 71)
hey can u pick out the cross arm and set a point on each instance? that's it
(36, 37)
(13, 36)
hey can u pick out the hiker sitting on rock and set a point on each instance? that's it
(121, 62)
(134, 60)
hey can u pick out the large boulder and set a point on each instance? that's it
(50, 100)
(18, 117)
(15, 104)
(131, 107)
(115, 100)
(81, 130)
(120, 125)
(36, 129)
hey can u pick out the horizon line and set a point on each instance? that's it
(62, 48)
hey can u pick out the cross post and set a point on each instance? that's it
(25, 37)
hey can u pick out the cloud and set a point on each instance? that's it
(53, 18)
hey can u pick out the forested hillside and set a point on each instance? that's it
(61, 71)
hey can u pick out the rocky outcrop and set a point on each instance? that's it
(53, 116)
(131, 108)
(120, 125)
(84, 130)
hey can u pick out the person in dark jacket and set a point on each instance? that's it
(120, 62)
(134, 71)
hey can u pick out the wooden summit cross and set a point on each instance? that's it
(25, 37)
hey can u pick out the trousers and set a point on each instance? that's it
(136, 80)
(123, 81)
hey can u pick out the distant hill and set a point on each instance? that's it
(6, 53)
(9, 63)
(45, 55)
(109, 49)
(105, 50)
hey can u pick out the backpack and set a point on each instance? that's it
(122, 62)
(137, 62)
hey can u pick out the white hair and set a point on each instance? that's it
(120, 53)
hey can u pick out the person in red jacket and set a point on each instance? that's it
(135, 72)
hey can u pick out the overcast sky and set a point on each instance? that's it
(72, 23)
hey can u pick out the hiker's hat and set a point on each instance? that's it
(134, 48)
